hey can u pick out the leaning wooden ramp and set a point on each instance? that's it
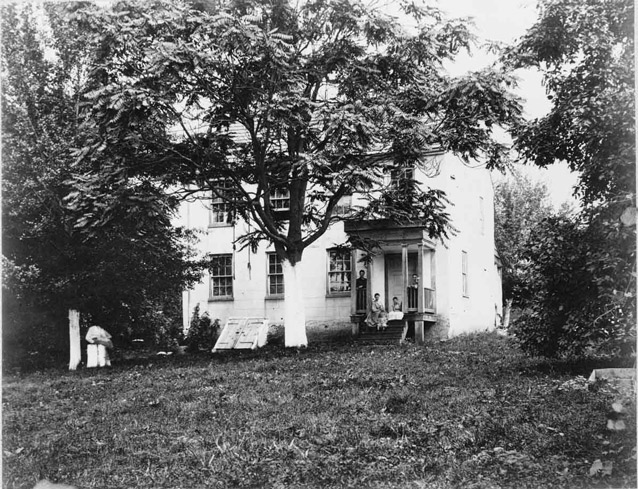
(242, 334)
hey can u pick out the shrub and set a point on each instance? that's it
(160, 330)
(578, 292)
(202, 333)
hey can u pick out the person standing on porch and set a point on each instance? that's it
(413, 291)
(362, 290)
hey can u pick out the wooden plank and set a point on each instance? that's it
(242, 333)
(247, 338)
(229, 335)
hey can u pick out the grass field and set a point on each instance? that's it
(469, 413)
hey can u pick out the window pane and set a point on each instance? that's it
(339, 273)
(221, 272)
(275, 275)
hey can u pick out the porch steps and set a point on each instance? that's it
(393, 334)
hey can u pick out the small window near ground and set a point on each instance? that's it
(275, 275)
(221, 273)
(339, 272)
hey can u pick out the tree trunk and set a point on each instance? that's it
(75, 356)
(294, 309)
(506, 313)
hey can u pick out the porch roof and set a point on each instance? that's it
(390, 232)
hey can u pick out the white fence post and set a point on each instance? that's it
(75, 356)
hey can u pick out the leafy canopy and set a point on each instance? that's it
(581, 282)
(519, 204)
(243, 100)
(136, 260)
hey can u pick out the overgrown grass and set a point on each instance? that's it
(471, 412)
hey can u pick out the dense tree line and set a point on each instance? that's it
(578, 287)
(128, 274)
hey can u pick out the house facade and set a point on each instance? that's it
(445, 287)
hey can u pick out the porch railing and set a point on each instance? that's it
(362, 301)
(429, 299)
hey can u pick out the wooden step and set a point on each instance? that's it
(391, 335)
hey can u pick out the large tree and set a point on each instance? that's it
(137, 261)
(520, 203)
(585, 50)
(316, 100)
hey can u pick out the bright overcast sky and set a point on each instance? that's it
(505, 21)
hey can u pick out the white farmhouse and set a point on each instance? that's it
(445, 288)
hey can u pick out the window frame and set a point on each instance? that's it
(278, 196)
(223, 205)
(397, 175)
(228, 267)
(270, 275)
(343, 206)
(347, 262)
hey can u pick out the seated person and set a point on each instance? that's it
(378, 317)
(397, 307)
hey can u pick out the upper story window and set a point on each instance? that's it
(221, 277)
(339, 272)
(280, 199)
(221, 209)
(275, 275)
(343, 206)
(399, 175)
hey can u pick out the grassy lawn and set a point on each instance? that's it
(471, 412)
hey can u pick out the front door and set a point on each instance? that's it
(394, 276)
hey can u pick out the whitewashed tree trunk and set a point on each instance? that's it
(506, 313)
(294, 310)
(75, 356)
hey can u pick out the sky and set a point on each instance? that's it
(505, 21)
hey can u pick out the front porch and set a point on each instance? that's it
(402, 272)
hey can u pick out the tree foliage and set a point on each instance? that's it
(581, 286)
(136, 260)
(576, 295)
(247, 100)
(319, 99)
(519, 205)
(585, 50)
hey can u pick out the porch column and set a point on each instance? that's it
(369, 268)
(353, 291)
(404, 274)
(421, 279)
(419, 333)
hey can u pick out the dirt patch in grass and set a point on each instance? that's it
(471, 412)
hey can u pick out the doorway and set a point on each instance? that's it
(394, 285)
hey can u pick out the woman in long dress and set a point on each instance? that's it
(378, 317)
